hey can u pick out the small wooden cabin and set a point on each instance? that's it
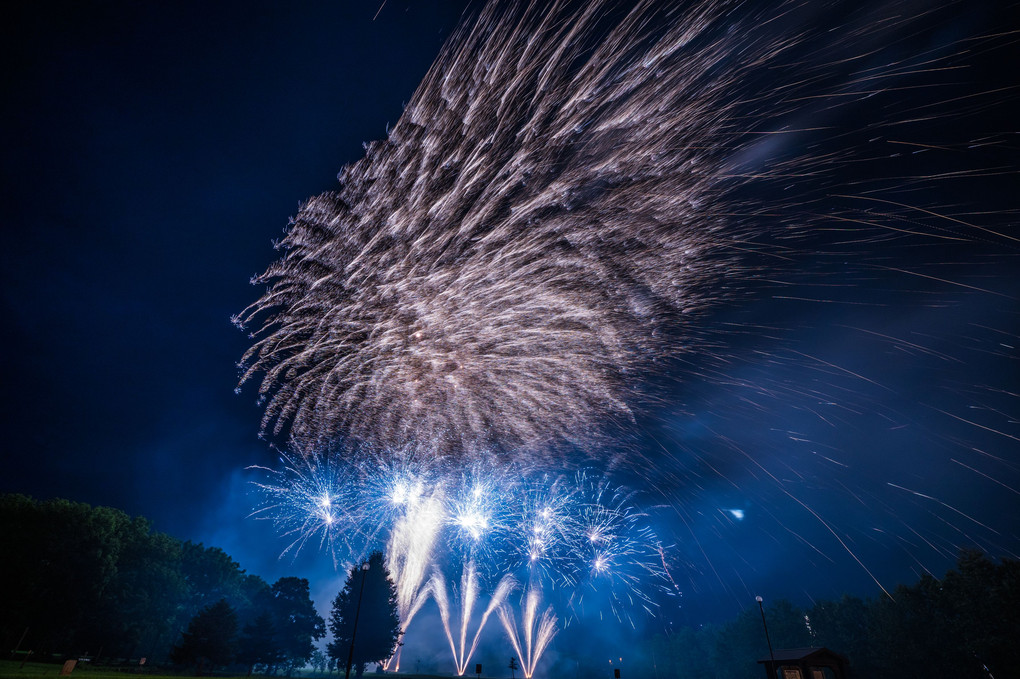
(806, 663)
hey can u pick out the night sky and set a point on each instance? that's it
(862, 418)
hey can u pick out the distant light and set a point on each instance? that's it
(737, 514)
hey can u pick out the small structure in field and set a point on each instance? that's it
(805, 663)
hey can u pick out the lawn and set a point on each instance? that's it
(13, 669)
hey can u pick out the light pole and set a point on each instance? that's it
(357, 612)
(769, 641)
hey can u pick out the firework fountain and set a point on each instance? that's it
(409, 554)
(468, 594)
(573, 533)
(538, 630)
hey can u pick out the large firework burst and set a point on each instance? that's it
(565, 193)
(490, 273)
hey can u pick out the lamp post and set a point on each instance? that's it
(357, 612)
(769, 641)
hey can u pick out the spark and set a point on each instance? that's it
(947, 506)
(409, 555)
(538, 631)
(469, 589)
(311, 499)
(539, 221)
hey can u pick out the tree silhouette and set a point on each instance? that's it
(258, 643)
(297, 625)
(378, 624)
(211, 636)
(318, 661)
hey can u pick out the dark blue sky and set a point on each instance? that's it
(152, 154)
(153, 151)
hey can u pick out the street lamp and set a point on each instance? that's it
(357, 612)
(763, 624)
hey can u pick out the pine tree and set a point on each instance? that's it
(378, 624)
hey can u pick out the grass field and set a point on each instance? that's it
(12, 669)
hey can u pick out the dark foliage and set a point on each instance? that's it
(378, 625)
(953, 627)
(297, 625)
(256, 646)
(83, 578)
(80, 577)
(211, 638)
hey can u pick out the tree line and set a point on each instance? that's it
(964, 625)
(77, 580)
(363, 620)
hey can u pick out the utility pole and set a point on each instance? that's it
(772, 655)
(357, 612)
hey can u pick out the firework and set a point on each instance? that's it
(616, 553)
(538, 631)
(312, 498)
(468, 595)
(580, 533)
(565, 196)
(409, 555)
(396, 482)
(554, 199)
(542, 543)
(480, 517)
